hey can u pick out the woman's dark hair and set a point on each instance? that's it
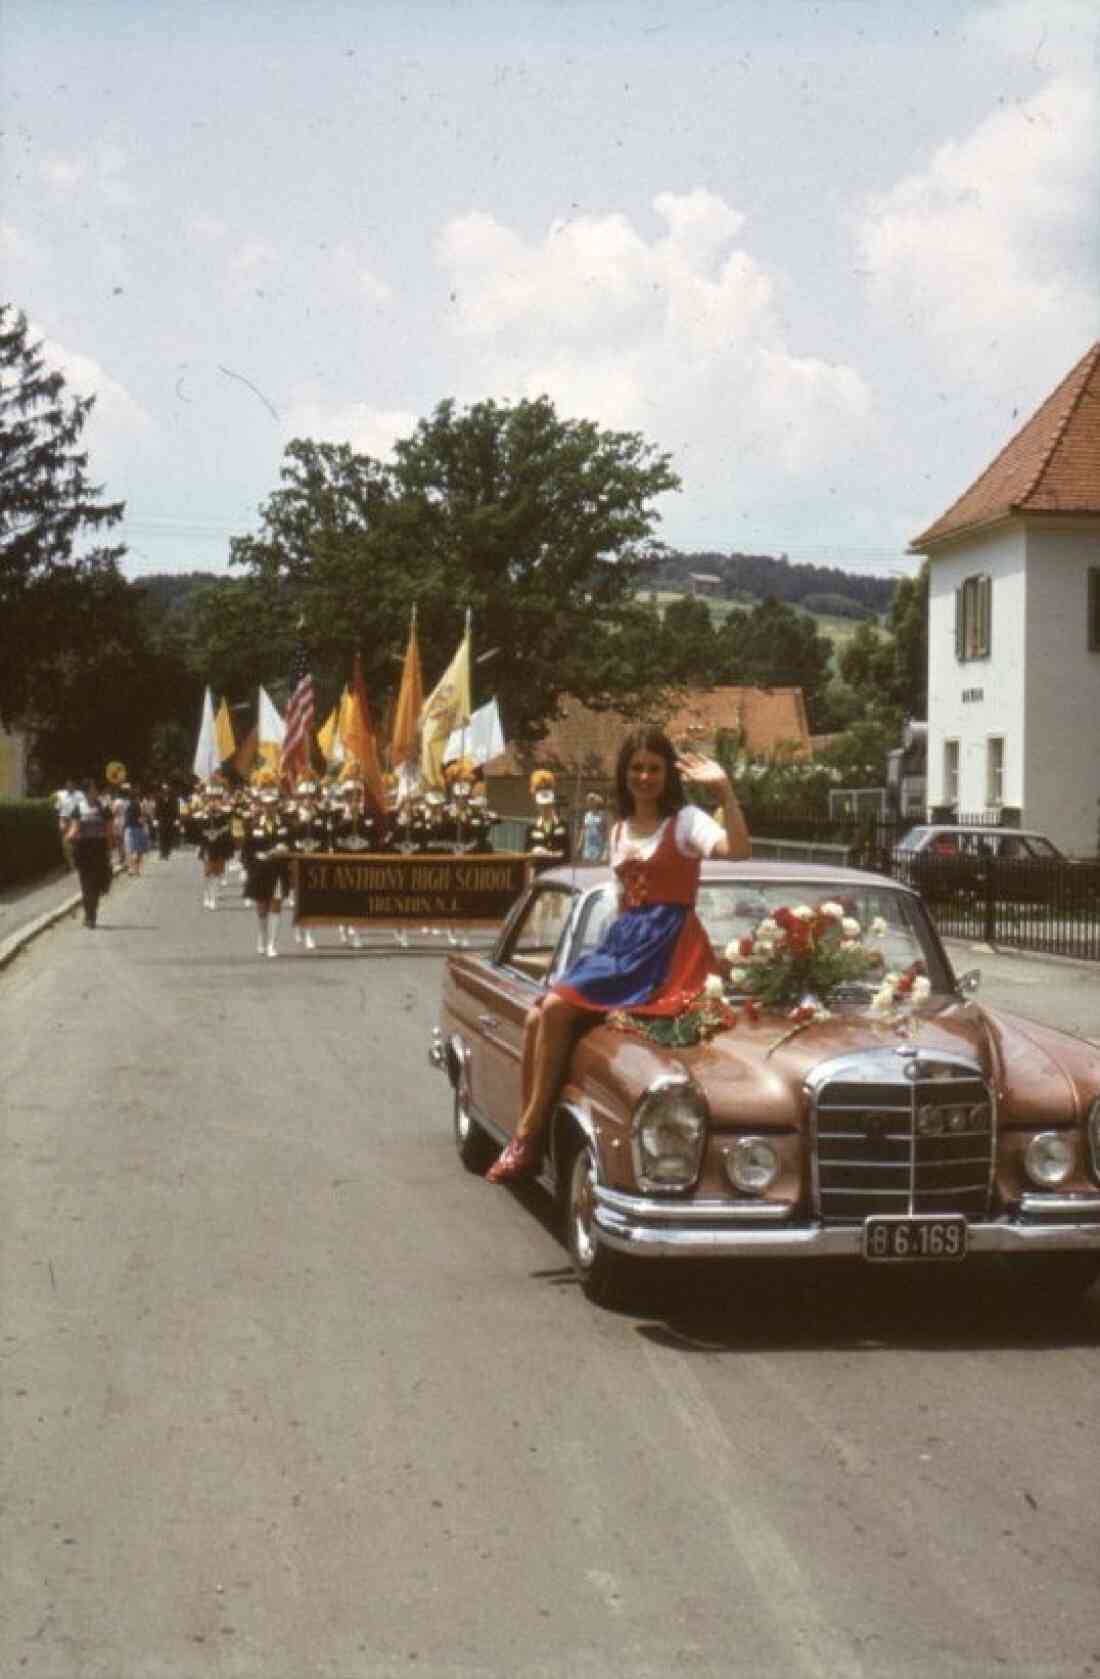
(656, 741)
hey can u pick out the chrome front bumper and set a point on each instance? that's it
(765, 1230)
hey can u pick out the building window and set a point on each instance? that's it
(951, 773)
(974, 618)
(1094, 609)
(995, 771)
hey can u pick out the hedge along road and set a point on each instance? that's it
(286, 1392)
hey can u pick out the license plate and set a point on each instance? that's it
(915, 1238)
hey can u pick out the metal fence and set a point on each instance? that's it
(1048, 907)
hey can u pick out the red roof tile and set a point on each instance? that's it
(588, 741)
(1052, 465)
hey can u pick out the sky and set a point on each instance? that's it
(829, 257)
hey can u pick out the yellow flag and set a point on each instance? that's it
(404, 742)
(223, 733)
(447, 707)
(330, 736)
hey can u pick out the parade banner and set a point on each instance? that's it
(392, 890)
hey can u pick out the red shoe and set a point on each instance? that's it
(519, 1160)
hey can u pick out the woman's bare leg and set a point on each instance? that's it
(548, 1044)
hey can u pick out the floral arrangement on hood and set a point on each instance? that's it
(796, 957)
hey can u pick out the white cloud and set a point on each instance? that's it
(247, 258)
(678, 336)
(64, 172)
(370, 431)
(206, 227)
(105, 170)
(993, 241)
(19, 246)
(116, 417)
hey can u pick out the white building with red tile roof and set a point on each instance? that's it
(1014, 626)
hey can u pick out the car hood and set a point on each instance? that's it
(756, 1071)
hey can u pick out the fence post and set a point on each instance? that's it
(989, 929)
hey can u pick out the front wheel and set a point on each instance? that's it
(475, 1147)
(605, 1275)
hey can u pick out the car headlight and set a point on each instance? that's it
(1050, 1158)
(669, 1133)
(752, 1165)
(1094, 1138)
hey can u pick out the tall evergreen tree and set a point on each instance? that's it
(47, 506)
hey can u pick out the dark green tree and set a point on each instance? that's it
(888, 670)
(542, 527)
(47, 508)
(689, 644)
(773, 646)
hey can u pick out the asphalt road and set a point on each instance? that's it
(287, 1393)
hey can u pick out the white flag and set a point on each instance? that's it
(206, 752)
(270, 731)
(480, 740)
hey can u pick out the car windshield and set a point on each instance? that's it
(891, 921)
(913, 840)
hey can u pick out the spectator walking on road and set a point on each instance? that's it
(135, 834)
(89, 834)
(166, 810)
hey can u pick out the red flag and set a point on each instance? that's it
(297, 742)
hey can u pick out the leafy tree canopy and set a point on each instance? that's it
(890, 670)
(541, 526)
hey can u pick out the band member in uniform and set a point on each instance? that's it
(265, 852)
(215, 847)
(309, 835)
(548, 841)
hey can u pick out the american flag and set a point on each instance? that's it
(299, 717)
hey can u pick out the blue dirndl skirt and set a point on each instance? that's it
(631, 964)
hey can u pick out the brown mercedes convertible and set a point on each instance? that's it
(905, 1135)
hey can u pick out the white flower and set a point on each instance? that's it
(732, 951)
(764, 947)
(835, 911)
(767, 927)
(713, 986)
(849, 944)
(922, 989)
(882, 1001)
(878, 927)
(803, 912)
(738, 976)
(892, 979)
(850, 927)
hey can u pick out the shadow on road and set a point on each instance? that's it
(857, 1308)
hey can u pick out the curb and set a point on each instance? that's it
(15, 942)
(1081, 963)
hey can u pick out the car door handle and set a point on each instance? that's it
(489, 1021)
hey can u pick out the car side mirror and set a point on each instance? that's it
(968, 984)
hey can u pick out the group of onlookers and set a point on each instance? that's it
(99, 828)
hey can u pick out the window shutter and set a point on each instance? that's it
(1094, 609)
(960, 649)
(985, 615)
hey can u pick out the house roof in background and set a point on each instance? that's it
(1052, 465)
(587, 742)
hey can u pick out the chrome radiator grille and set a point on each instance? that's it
(900, 1133)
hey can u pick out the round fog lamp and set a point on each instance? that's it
(1048, 1159)
(752, 1164)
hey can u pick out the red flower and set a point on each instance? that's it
(746, 947)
